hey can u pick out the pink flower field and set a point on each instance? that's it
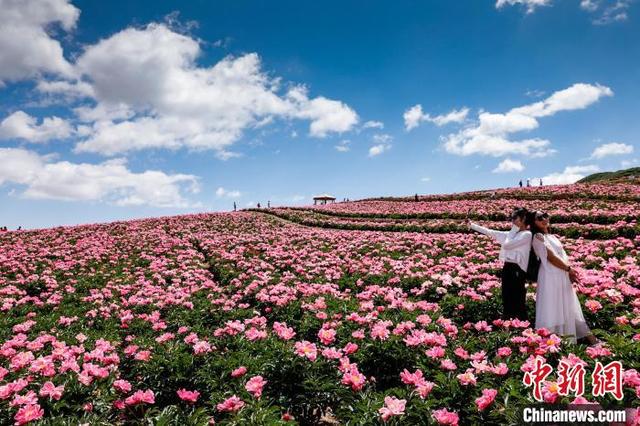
(366, 312)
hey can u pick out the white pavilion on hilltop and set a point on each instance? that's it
(323, 199)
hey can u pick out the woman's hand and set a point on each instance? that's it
(573, 276)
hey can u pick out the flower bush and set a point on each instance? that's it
(245, 318)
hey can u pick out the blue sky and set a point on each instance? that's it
(114, 110)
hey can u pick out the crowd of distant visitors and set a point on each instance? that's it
(416, 198)
(528, 183)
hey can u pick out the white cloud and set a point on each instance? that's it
(382, 138)
(603, 11)
(21, 125)
(611, 149)
(607, 11)
(570, 174)
(181, 104)
(221, 192)
(326, 115)
(382, 144)
(630, 163)
(425, 179)
(589, 5)
(343, 146)
(490, 135)
(507, 166)
(372, 124)
(414, 115)
(66, 89)
(531, 5)
(110, 181)
(578, 96)
(378, 149)
(26, 49)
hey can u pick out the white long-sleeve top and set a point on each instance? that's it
(515, 245)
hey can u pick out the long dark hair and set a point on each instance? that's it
(520, 212)
(531, 222)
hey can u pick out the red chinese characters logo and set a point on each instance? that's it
(607, 379)
(604, 379)
(570, 378)
(536, 377)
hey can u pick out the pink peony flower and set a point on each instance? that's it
(467, 378)
(50, 390)
(141, 397)
(306, 349)
(28, 413)
(239, 372)
(327, 336)
(352, 377)
(392, 407)
(188, 396)
(254, 386)
(230, 404)
(122, 386)
(445, 417)
(488, 395)
(504, 351)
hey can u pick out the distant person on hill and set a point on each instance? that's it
(540, 182)
(234, 206)
(515, 246)
(528, 183)
(520, 183)
(557, 305)
(416, 198)
(268, 204)
(258, 205)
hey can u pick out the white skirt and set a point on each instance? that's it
(557, 305)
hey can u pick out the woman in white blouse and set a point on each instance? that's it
(515, 246)
(557, 305)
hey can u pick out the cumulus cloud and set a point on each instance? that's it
(110, 181)
(382, 143)
(570, 174)
(508, 165)
(23, 126)
(414, 115)
(26, 48)
(603, 11)
(490, 135)
(378, 149)
(372, 124)
(530, 5)
(221, 192)
(67, 90)
(343, 146)
(606, 11)
(613, 148)
(149, 92)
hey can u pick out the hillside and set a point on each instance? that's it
(631, 175)
(309, 315)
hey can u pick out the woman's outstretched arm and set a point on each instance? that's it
(501, 236)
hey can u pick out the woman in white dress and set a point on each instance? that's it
(557, 305)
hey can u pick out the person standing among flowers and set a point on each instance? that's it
(557, 305)
(515, 246)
